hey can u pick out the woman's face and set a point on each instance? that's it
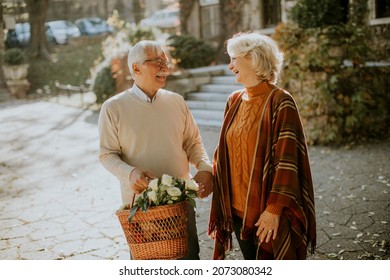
(243, 71)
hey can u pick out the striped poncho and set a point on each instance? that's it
(281, 159)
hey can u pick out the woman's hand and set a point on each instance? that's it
(213, 235)
(268, 225)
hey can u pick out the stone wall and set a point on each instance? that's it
(313, 105)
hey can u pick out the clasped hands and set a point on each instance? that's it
(205, 182)
(139, 180)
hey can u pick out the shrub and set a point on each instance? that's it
(139, 34)
(189, 52)
(104, 85)
(14, 56)
(314, 13)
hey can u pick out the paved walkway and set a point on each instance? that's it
(57, 201)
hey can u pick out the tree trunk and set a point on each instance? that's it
(185, 12)
(38, 46)
(2, 44)
(231, 23)
(137, 12)
(105, 9)
(2, 26)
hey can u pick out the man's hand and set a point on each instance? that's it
(205, 181)
(139, 180)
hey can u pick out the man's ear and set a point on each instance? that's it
(136, 68)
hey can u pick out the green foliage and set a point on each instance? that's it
(314, 13)
(340, 102)
(104, 85)
(190, 52)
(71, 66)
(14, 56)
(359, 12)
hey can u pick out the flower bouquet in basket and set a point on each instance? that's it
(166, 190)
(155, 225)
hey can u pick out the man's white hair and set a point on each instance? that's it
(138, 52)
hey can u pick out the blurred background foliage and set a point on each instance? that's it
(189, 52)
(342, 97)
(328, 68)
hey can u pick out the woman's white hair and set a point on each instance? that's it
(138, 52)
(267, 59)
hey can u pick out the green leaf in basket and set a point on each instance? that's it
(133, 210)
(145, 206)
(192, 194)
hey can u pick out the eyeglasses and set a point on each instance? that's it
(160, 62)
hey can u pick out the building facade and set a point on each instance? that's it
(206, 16)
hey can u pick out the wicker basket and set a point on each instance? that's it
(160, 233)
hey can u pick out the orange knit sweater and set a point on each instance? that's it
(241, 141)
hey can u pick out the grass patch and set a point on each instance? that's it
(72, 66)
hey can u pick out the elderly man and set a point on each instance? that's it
(147, 131)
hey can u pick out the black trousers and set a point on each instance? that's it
(248, 247)
(193, 241)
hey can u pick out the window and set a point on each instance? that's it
(271, 13)
(210, 21)
(379, 12)
(382, 8)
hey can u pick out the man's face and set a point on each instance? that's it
(152, 74)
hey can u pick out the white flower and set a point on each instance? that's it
(163, 188)
(191, 185)
(173, 191)
(169, 191)
(152, 196)
(166, 180)
(153, 184)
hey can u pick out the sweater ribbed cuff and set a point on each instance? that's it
(204, 166)
(274, 209)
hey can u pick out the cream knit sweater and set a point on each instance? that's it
(161, 137)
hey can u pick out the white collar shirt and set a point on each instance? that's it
(143, 96)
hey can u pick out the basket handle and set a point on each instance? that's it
(132, 201)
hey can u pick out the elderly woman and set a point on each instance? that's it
(263, 187)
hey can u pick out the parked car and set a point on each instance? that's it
(93, 26)
(163, 19)
(18, 37)
(61, 30)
